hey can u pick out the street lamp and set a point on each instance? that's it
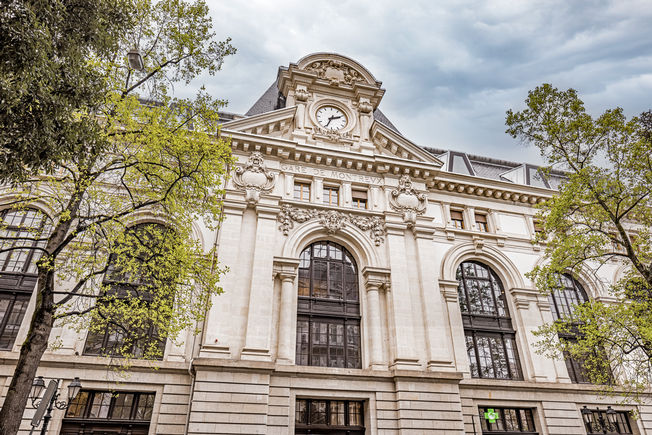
(50, 400)
(595, 421)
(135, 59)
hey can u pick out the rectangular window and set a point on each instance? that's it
(457, 219)
(599, 422)
(331, 195)
(359, 199)
(12, 310)
(329, 417)
(481, 222)
(109, 412)
(302, 191)
(513, 421)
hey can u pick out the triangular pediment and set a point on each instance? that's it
(389, 143)
(275, 123)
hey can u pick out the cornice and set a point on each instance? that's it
(265, 123)
(290, 151)
(488, 188)
(395, 144)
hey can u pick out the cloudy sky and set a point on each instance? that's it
(451, 68)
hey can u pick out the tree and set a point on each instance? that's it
(45, 76)
(141, 158)
(599, 219)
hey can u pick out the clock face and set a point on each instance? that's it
(331, 118)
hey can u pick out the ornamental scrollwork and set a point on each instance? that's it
(332, 220)
(405, 199)
(335, 72)
(254, 177)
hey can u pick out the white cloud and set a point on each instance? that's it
(451, 68)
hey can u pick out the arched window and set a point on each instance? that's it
(118, 337)
(562, 304)
(328, 317)
(490, 337)
(21, 235)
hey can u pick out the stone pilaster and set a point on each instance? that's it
(448, 289)
(219, 334)
(438, 343)
(400, 315)
(259, 316)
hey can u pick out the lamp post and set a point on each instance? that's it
(50, 400)
(135, 59)
(595, 421)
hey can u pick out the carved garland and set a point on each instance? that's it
(335, 71)
(331, 220)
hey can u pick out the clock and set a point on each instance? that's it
(331, 118)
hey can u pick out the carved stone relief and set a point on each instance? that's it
(254, 178)
(405, 199)
(332, 220)
(335, 72)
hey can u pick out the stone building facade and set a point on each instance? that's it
(375, 287)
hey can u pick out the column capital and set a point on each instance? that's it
(266, 211)
(524, 296)
(285, 268)
(448, 289)
(376, 278)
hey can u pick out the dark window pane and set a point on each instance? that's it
(301, 413)
(122, 406)
(78, 405)
(100, 405)
(318, 412)
(328, 317)
(489, 334)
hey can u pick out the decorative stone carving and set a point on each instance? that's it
(332, 135)
(254, 178)
(405, 199)
(335, 72)
(302, 94)
(333, 221)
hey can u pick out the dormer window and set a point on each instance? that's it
(535, 177)
(457, 219)
(459, 163)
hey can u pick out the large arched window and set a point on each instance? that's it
(562, 304)
(117, 336)
(490, 337)
(328, 316)
(21, 235)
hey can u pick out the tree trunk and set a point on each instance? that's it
(36, 343)
(31, 353)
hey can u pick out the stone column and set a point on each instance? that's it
(259, 315)
(438, 344)
(448, 290)
(286, 270)
(376, 280)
